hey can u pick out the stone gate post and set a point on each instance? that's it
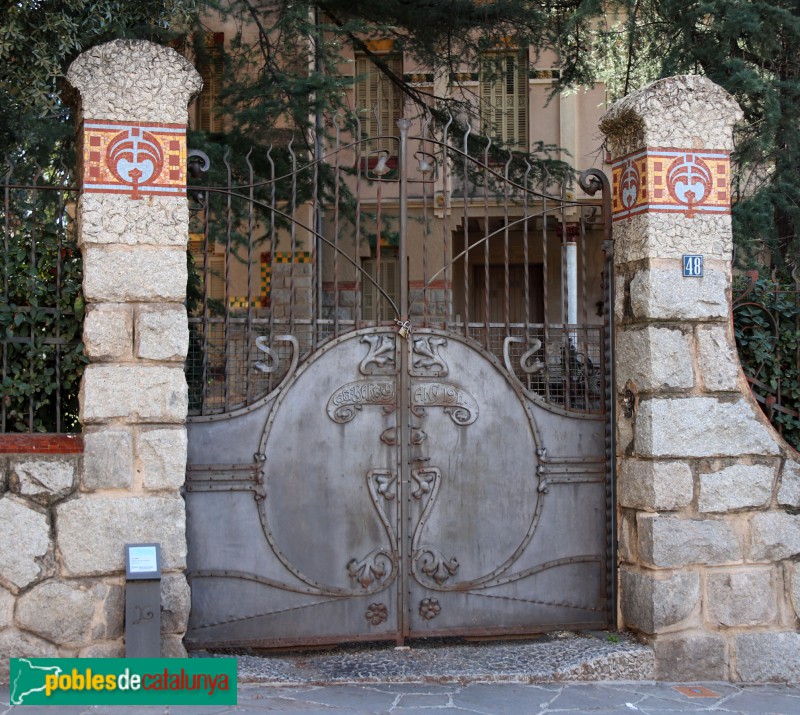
(133, 225)
(707, 492)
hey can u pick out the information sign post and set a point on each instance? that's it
(142, 600)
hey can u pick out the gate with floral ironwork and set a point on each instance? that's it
(400, 375)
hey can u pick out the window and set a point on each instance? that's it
(210, 66)
(504, 98)
(374, 305)
(376, 93)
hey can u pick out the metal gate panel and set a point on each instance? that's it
(415, 473)
(484, 558)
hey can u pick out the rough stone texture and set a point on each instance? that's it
(17, 644)
(108, 332)
(658, 236)
(162, 333)
(775, 535)
(690, 657)
(652, 600)
(172, 646)
(114, 612)
(655, 486)
(795, 589)
(740, 598)
(768, 657)
(114, 218)
(25, 539)
(789, 492)
(108, 459)
(700, 427)
(41, 480)
(736, 487)
(133, 393)
(162, 457)
(654, 359)
(682, 111)
(175, 604)
(719, 363)
(627, 537)
(58, 612)
(115, 274)
(670, 542)
(158, 91)
(114, 523)
(103, 650)
(7, 601)
(664, 294)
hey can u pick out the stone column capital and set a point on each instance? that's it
(685, 111)
(134, 81)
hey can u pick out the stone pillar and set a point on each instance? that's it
(133, 226)
(706, 544)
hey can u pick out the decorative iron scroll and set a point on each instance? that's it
(424, 480)
(435, 565)
(348, 399)
(427, 361)
(374, 567)
(385, 482)
(459, 404)
(382, 356)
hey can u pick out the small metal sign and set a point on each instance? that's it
(692, 266)
(142, 561)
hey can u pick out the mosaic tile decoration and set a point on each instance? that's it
(286, 257)
(266, 261)
(671, 180)
(138, 159)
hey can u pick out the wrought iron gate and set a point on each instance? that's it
(367, 460)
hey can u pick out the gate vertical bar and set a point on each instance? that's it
(404, 397)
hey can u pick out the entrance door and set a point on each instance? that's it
(372, 464)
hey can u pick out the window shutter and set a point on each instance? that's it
(375, 93)
(504, 98)
(210, 68)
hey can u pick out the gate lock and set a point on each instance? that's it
(405, 327)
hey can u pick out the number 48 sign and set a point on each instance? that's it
(692, 266)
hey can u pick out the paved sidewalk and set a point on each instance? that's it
(600, 698)
(594, 673)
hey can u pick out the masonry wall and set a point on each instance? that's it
(708, 494)
(67, 516)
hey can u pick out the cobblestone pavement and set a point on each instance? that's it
(597, 674)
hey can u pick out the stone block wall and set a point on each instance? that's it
(61, 590)
(67, 518)
(708, 493)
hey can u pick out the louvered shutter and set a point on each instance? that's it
(210, 67)
(504, 98)
(375, 93)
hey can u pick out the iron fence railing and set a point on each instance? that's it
(41, 304)
(285, 244)
(766, 314)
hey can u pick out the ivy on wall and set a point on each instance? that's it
(41, 310)
(766, 318)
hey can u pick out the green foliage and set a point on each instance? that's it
(41, 305)
(41, 313)
(767, 329)
(285, 62)
(752, 49)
